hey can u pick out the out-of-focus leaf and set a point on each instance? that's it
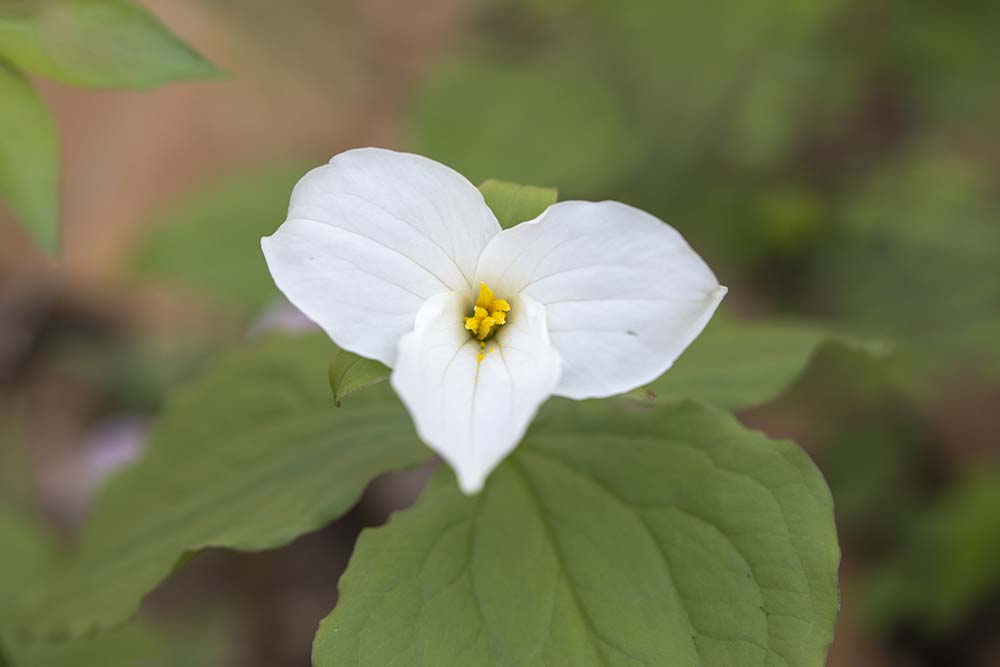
(96, 43)
(738, 365)
(349, 373)
(27, 554)
(934, 41)
(139, 644)
(950, 563)
(694, 70)
(525, 123)
(15, 484)
(29, 159)
(210, 244)
(512, 203)
(919, 255)
(671, 537)
(250, 456)
(132, 374)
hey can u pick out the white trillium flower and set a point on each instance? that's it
(398, 258)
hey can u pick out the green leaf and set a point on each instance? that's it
(25, 554)
(210, 243)
(29, 159)
(250, 456)
(96, 43)
(137, 644)
(665, 537)
(512, 203)
(349, 373)
(738, 365)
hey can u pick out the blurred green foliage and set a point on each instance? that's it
(96, 44)
(487, 118)
(140, 643)
(948, 564)
(29, 158)
(26, 553)
(27, 556)
(874, 442)
(15, 491)
(919, 255)
(88, 43)
(209, 245)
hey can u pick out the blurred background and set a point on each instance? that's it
(833, 160)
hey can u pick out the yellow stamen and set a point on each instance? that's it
(485, 296)
(488, 315)
(485, 327)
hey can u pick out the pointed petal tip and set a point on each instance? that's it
(470, 484)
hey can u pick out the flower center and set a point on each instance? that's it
(488, 315)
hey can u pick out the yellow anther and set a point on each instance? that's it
(485, 327)
(499, 307)
(482, 353)
(485, 296)
(478, 315)
(488, 315)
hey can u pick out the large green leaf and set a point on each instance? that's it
(670, 536)
(210, 243)
(96, 43)
(29, 159)
(513, 203)
(739, 365)
(249, 457)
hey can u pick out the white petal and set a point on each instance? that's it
(624, 294)
(474, 413)
(370, 237)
